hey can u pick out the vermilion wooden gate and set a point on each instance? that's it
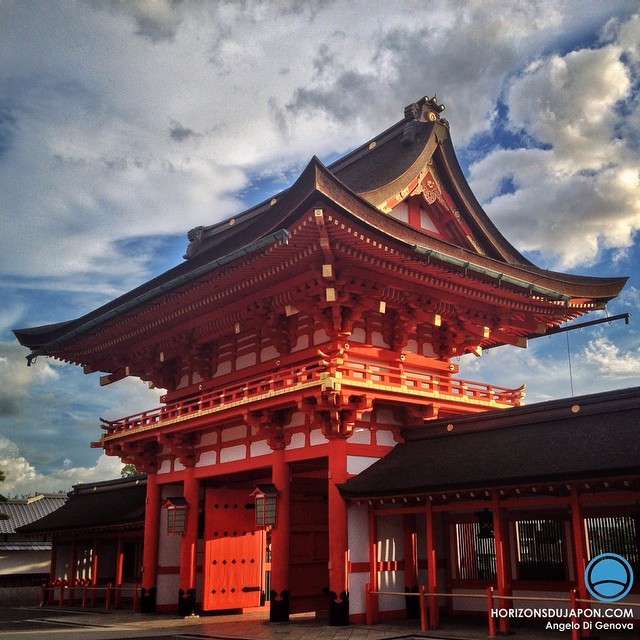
(309, 545)
(233, 551)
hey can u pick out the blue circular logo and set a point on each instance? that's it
(609, 577)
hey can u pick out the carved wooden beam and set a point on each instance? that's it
(271, 423)
(336, 413)
(183, 446)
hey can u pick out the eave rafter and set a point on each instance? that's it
(221, 303)
(315, 270)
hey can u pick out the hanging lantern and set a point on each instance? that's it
(176, 515)
(266, 503)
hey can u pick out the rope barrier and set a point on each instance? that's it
(371, 606)
(112, 593)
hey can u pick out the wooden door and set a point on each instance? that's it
(309, 545)
(233, 551)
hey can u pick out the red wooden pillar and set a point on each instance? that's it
(52, 569)
(188, 545)
(94, 561)
(503, 572)
(94, 570)
(119, 569)
(279, 596)
(579, 549)
(410, 564)
(338, 536)
(73, 570)
(372, 600)
(432, 567)
(150, 545)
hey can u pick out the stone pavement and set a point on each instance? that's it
(32, 623)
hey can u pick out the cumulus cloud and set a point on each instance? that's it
(246, 93)
(22, 478)
(16, 379)
(612, 362)
(156, 20)
(124, 124)
(577, 193)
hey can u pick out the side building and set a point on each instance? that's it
(24, 560)
(297, 343)
(519, 500)
(96, 541)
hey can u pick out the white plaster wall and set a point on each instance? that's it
(302, 343)
(165, 467)
(268, 353)
(357, 464)
(63, 561)
(168, 545)
(223, 369)
(209, 439)
(385, 438)
(390, 548)
(246, 360)
(358, 532)
(260, 448)
(298, 419)
(401, 212)
(168, 586)
(378, 341)
(168, 556)
(320, 337)
(386, 417)
(12, 562)
(234, 433)
(298, 441)
(317, 437)
(357, 587)
(207, 458)
(360, 435)
(231, 454)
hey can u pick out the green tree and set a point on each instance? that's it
(130, 471)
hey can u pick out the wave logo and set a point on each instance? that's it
(609, 577)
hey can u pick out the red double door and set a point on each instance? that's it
(233, 552)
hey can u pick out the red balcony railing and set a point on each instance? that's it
(353, 373)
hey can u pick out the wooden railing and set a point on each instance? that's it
(430, 383)
(353, 373)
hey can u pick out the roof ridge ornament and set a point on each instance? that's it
(424, 110)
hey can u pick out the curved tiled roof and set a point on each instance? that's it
(358, 186)
(576, 438)
(96, 506)
(26, 510)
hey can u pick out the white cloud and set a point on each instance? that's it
(22, 478)
(123, 124)
(143, 118)
(610, 361)
(16, 378)
(580, 194)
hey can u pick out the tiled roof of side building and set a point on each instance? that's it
(26, 510)
(96, 506)
(595, 436)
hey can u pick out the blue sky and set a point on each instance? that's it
(123, 124)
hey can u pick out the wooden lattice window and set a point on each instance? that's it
(540, 552)
(615, 534)
(476, 551)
